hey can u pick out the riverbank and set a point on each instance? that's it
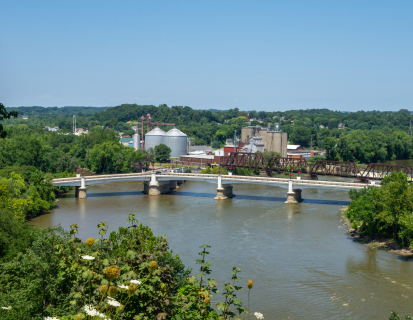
(376, 243)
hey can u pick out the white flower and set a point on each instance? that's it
(50, 318)
(93, 312)
(114, 303)
(136, 282)
(259, 315)
(6, 308)
(123, 287)
(88, 258)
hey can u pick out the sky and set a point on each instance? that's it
(252, 55)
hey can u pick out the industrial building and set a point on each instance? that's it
(262, 139)
(174, 139)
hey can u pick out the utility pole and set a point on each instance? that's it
(410, 128)
(74, 124)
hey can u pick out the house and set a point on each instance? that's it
(126, 141)
(341, 126)
(304, 154)
(294, 147)
(80, 131)
(321, 126)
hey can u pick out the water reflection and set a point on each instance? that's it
(213, 195)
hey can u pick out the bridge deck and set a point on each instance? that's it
(212, 178)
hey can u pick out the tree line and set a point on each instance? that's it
(364, 136)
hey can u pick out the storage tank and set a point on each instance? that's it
(136, 141)
(154, 138)
(177, 141)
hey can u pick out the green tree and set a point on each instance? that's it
(5, 115)
(301, 135)
(162, 152)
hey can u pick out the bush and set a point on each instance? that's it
(130, 275)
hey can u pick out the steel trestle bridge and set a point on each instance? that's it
(257, 161)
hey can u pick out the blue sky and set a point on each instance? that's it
(262, 55)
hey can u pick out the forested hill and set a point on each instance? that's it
(371, 136)
(163, 113)
(55, 111)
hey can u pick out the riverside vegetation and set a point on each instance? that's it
(131, 274)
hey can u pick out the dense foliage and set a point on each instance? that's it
(129, 275)
(57, 152)
(364, 136)
(385, 211)
(162, 153)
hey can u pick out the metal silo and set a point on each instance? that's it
(154, 138)
(177, 141)
(136, 141)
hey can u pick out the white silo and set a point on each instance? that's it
(154, 138)
(177, 141)
(136, 141)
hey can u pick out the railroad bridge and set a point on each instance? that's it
(257, 161)
(157, 184)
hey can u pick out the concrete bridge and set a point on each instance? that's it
(156, 184)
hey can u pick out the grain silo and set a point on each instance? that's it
(154, 138)
(136, 141)
(177, 141)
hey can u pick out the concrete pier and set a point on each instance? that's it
(293, 195)
(80, 192)
(173, 184)
(224, 191)
(156, 188)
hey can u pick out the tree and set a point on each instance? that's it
(162, 152)
(301, 136)
(5, 115)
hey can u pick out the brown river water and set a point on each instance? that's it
(303, 265)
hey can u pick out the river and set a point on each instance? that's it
(303, 264)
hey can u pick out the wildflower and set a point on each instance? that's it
(259, 315)
(79, 316)
(50, 318)
(153, 265)
(114, 303)
(122, 286)
(136, 282)
(90, 242)
(113, 291)
(6, 308)
(88, 257)
(93, 312)
(207, 301)
(250, 283)
(103, 289)
(112, 272)
(132, 287)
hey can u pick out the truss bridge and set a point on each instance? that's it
(257, 161)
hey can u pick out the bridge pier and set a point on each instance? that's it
(224, 191)
(80, 192)
(173, 184)
(293, 195)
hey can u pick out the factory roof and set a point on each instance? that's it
(293, 146)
